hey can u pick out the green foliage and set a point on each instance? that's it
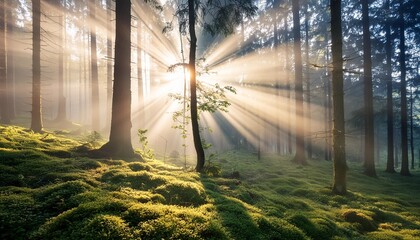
(94, 139)
(106, 227)
(146, 151)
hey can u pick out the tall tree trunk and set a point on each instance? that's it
(119, 144)
(10, 25)
(4, 112)
(94, 68)
(339, 147)
(193, 88)
(109, 62)
(369, 158)
(288, 88)
(62, 111)
(36, 120)
(300, 123)
(308, 85)
(389, 106)
(404, 128)
(411, 128)
(327, 100)
(140, 72)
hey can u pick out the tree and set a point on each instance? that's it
(369, 162)
(216, 19)
(109, 61)
(94, 67)
(339, 165)
(61, 115)
(119, 144)
(403, 87)
(300, 124)
(3, 75)
(389, 106)
(36, 116)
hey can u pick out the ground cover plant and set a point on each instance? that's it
(50, 189)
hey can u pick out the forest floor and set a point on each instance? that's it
(50, 190)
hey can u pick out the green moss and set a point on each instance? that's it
(106, 227)
(362, 221)
(182, 193)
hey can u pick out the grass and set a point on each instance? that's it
(49, 190)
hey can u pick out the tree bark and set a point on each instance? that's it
(308, 85)
(4, 112)
(36, 117)
(369, 158)
(94, 68)
(109, 62)
(389, 106)
(193, 88)
(339, 166)
(300, 123)
(119, 144)
(62, 111)
(403, 85)
(10, 28)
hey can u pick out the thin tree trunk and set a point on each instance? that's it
(10, 25)
(300, 123)
(411, 128)
(5, 119)
(94, 68)
(369, 151)
(193, 88)
(404, 128)
(36, 120)
(308, 85)
(288, 89)
(109, 63)
(62, 111)
(340, 165)
(389, 106)
(119, 144)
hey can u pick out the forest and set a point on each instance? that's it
(210, 119)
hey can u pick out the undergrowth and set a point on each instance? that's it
(48, 190)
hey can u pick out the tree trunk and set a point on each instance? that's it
(339, 166)
(404, 128)
(119, 144)
(369, 158)
(5, 119)
(62, 111)
(308, 85)
(288, 89)
(36, 120)
(94, 68)
(108, 62)
(140, 73)
(193, 88)
(411, 128)
(10, 25)
(300, 123)
(389, 106)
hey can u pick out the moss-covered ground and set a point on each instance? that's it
(49, 189)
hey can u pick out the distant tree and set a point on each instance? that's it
(403, 87)
(369, 159)
(94, 66)
(119, 144)
(300, 123)
(3, 67)
(62, 111)
(390, 110)
(36, 116)
(109, 60)
(339, 147)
